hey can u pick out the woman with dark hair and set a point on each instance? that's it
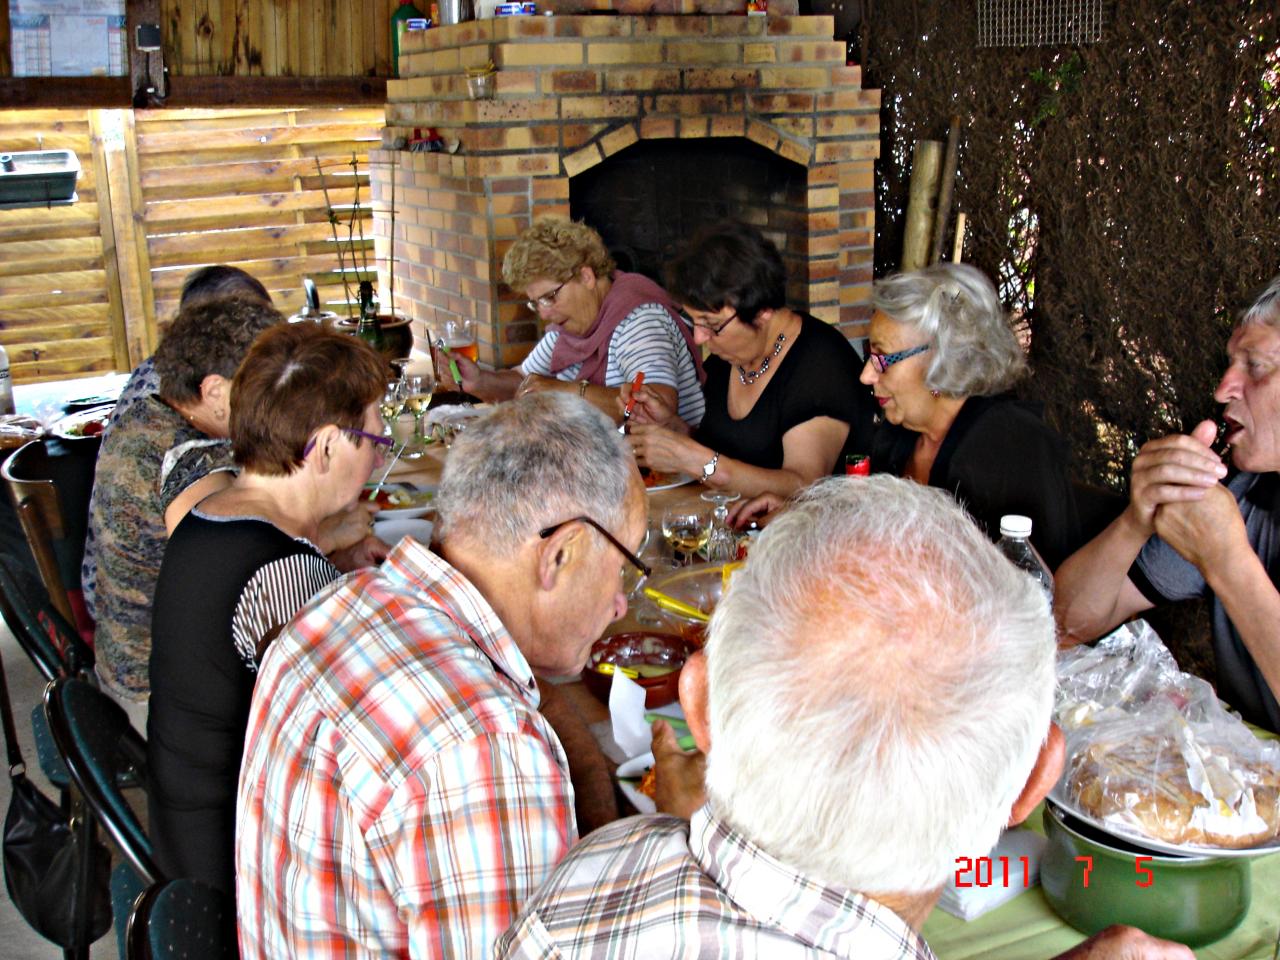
(781, 388)
(306, 433)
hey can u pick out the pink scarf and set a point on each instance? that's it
(591, 349)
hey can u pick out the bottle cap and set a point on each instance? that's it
(1015, 525)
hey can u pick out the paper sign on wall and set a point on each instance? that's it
(68, 38)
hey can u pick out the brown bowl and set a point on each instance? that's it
(641, 648)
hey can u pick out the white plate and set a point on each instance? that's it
(1132, 835)
(393, 531)
(633, 770)
(407, 513)
(69, 427)
(677, 480)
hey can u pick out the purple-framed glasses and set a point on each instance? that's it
(378, 439)
(883, 361)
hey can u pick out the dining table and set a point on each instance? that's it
(1025, 927)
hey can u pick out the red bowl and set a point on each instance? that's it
(633, 649)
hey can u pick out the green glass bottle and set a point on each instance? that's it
(370, 328)
(399, 21)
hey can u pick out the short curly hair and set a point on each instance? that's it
(555, 249)
(295, 379)
(210, 336)
(954, 306)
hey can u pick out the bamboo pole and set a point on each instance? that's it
(947, 191)
(926, 161)
(958, 250)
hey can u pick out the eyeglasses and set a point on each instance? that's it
(547, 300)
(378, 440)
(632, 559)
(883, 361)
(714, 331)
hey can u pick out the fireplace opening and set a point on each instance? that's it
(648, 199)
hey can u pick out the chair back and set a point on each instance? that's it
(43, 632)
(179, 919)
(51, 498)
(98, 744)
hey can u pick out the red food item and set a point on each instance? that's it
(382, 499)
(655, 479)
(93, 428)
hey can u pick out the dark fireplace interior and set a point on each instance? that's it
(650, 198)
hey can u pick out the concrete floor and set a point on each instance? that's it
(17, 940)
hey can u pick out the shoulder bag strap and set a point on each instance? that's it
(10, 732)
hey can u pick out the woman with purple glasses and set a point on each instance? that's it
(941, 361)
(306, 433)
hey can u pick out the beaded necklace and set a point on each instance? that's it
(748, 377)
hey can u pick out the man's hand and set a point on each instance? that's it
(1204, 532)
(1127, 943)
(761, 509)
(680, 787)
(1173, 469)
(467, 369)
(368, 552)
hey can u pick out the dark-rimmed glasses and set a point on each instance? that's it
(378, 439)
(632, 559)
(714, 331)
(547, 300)
(883, 361)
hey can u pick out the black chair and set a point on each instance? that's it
(179, 919)
(51, 497)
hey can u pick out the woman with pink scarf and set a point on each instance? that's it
(602, 327)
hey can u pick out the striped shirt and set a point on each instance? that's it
(646, 339)
(657, 886)
(400, 794)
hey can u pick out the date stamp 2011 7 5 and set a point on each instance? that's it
(990, 871)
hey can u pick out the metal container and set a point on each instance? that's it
(455, 11)
(38, 176)
(1192, 900)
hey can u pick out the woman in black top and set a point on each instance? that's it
(781, 385)
(306, 433)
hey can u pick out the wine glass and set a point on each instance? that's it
(392, 404)
(685, 529)
(418, 389)
(722, 542)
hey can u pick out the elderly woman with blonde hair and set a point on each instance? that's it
(941, 361)
(603, 326)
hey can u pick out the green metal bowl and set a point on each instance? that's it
(1192, 900)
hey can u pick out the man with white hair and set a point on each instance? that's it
(400, 794)
(874, 699)
(1191, 531)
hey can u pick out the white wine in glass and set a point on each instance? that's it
(685, 531)
(418, 391)
(392, 404)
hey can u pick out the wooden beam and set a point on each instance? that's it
(100, 133)
(212, 92)
(6, 60)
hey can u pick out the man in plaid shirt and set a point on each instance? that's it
(874, 699)
(401, 795)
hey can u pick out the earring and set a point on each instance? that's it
(220, 413)
(935, 394)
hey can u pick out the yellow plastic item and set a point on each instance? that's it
(613, 667)
(726, 572)
(675, 606)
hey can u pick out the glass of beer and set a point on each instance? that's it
(459, 336)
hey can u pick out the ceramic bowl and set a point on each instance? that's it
(394, 530)
(1193, 900)
(639, 649)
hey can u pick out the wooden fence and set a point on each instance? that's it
(82, 287)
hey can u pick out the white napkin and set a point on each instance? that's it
(626, 710)
(973, 901)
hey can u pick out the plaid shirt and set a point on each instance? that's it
(659, 887)
(400, 793)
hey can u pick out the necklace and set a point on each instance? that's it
(748, 377)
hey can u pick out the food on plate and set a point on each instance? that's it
(1179, 789)
(398, 498)
(655, 478)
(648, 784)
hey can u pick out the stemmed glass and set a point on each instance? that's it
(418, 389)
(392, 405)
(722, 543)
(685, 528)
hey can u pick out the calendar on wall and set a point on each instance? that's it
(68, 38)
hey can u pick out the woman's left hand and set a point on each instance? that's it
(346, 527)
(661, 449)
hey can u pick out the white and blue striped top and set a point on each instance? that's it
(646, 339)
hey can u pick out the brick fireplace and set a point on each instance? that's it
(573, 92)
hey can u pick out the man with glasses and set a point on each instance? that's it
(401, 793)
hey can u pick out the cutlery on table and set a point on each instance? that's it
(626, 414)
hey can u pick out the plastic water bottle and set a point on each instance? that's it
(1015, 543)
(6, 384)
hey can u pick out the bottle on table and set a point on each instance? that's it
(1015, 543)
(370, 328)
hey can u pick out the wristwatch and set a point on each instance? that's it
(709, 467)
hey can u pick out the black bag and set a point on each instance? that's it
(42, 856)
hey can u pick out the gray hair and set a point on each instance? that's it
(1266, 308)
(880, 681)
(955, 306)
(531, 463)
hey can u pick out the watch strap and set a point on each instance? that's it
(709, 467)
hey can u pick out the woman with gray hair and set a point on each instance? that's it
(941, 361)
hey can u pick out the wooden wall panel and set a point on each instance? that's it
(83, 287)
